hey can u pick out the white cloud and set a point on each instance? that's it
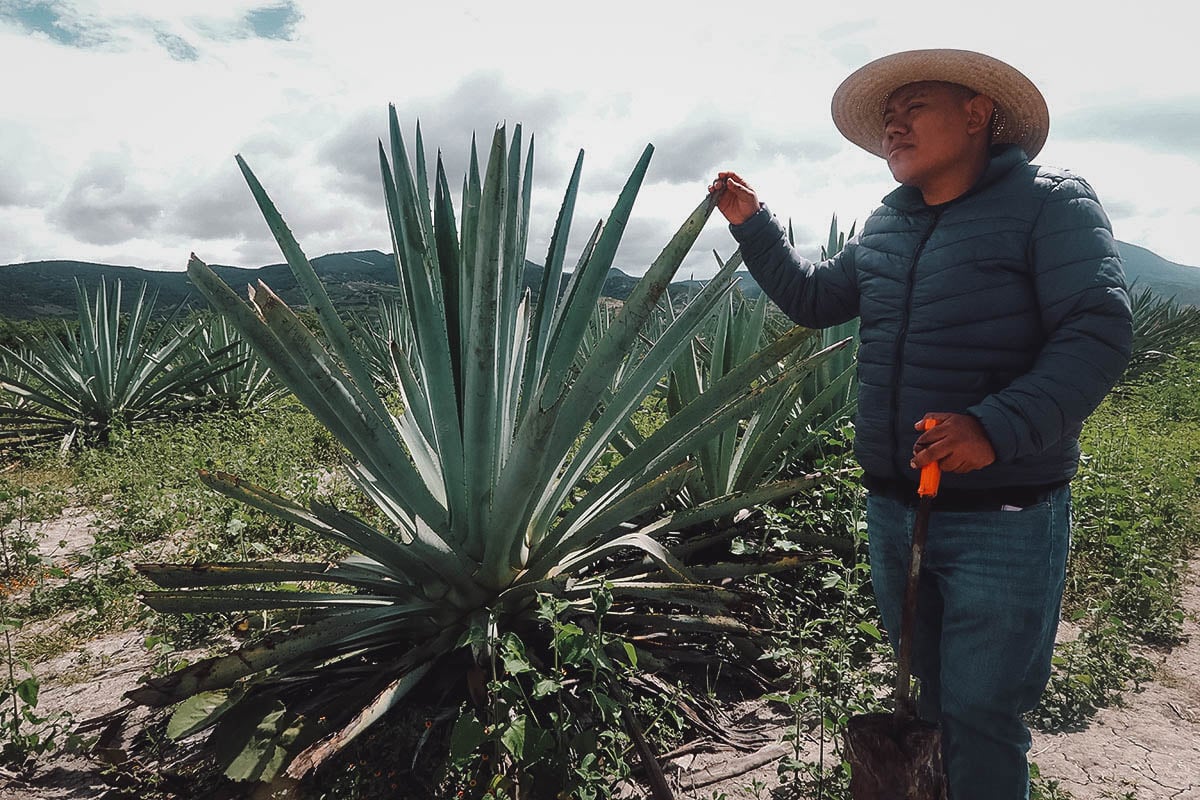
(124, 149)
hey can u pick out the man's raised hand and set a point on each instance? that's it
(735, 198)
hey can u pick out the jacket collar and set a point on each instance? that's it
(1004, 159)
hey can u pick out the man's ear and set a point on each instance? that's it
(979, 113)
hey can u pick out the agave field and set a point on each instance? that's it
(488, 542)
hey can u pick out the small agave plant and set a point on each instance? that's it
(483, 478)
(249, 384)
(1161, 325)
(782, 430)
(113, 371)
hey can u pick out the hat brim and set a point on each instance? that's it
(1021, 118)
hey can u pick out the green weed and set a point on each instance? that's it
(25, 732)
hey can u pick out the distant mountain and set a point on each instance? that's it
(47, 288)
(355, 279)
(1144, 268)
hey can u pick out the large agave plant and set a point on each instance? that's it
(482, 478)
(111, 371)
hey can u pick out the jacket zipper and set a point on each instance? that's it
(902, 339)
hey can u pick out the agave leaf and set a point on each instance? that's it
(481, 425)
(472, 199)
(698, 595)
(420, 275)
(734, 501)
(450, 260)
(686, 623)
(422, 178)
(571, 322)
(413, 666)
(202, 601)
(231, 573)
(551, 277)
(636, 540)
(342, 528)
(199, 712)
(317, 754)
(36, 398)
(172, 576)
(415, 425)
(314, 292)
(509, 275)
(755, 566)
(221, 672)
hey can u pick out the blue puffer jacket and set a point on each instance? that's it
(1008, 303)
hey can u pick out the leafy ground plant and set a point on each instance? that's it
(1136, 521)
(480, 483)
(26, 733)
(560, 722)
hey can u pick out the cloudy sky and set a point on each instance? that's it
(119, 119)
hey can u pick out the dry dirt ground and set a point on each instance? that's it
(1149, 749)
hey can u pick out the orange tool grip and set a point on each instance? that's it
(931, 474)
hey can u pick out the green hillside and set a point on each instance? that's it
(1142, 268)
(355, 279)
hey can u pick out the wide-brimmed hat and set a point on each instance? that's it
(1021, 115)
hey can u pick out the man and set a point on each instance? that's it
(992, 299)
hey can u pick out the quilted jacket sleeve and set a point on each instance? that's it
(1085, 313)
(814, 295)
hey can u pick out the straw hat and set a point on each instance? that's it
(1021, 115)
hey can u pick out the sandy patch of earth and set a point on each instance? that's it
(1149, 747)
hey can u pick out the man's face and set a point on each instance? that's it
(927, 131)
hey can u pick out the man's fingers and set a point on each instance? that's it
(732, 180)
(929, 453)
(937, 416)
(932, 437)
(738, 186)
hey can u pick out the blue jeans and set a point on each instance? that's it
(988, 607)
